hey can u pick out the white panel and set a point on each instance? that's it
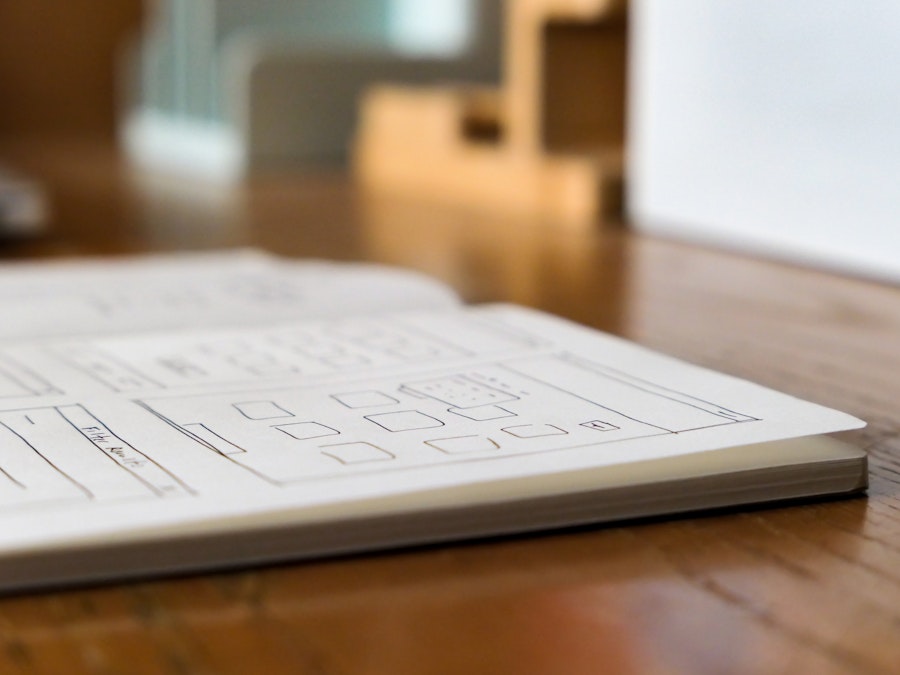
(771, 126)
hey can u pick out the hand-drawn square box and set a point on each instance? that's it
(464, 444)
(535, 430)
(483, 413)
(356, 453)
(262, 410)
(405, 420)
(459, 391)
(304, 431)
(600, 425)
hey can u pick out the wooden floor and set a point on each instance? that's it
(811, 588)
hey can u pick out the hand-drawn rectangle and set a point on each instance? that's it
(600, 425)
(303, 431)
(356, 453)
(464, 444)
(154, 476)
(81, 448)
(459, 391)
(262, 410)
(628, 395)
(405, 420)
(535, 430)
(212, 440)
(483, 413)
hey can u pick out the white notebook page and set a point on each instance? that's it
(108, 437)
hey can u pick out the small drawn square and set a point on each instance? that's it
(303, 431)
(600, 425)
(262, 410)
(483, 413)
(535, 430)
(405, 420)
(365, 399)
(356, 453)
(464, 444)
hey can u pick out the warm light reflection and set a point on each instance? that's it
(541, 634)
(580, 275)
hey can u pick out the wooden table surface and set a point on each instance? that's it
(811, 588)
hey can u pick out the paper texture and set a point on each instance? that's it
(243, 287)
(110, 433)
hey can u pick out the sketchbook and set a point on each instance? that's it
(163, 415)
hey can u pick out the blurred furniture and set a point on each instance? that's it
(548, 143)
(57, 79)
(221, 86)
(810, 588)
(57, 72)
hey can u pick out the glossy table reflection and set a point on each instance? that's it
(811, 588)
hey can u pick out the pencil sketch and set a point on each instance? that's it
(358, 452)
(405, 420)
(116, 373)
(483, 413)
(534, 430)
(464, 444)
(262, 410)
(517, 406)
(138, 364)
(66, 452)
(304, 431)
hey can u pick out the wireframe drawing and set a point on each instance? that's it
(66, 453)
(517, 406)
(136, 364)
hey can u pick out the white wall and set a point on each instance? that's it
(770, 125)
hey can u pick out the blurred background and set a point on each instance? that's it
(58, 65)
(147, 117)
(759, 126)
(74, 67)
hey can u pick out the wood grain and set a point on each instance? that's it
(812, 588)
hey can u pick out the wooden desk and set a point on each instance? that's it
(802, 589)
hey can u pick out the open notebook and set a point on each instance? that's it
(169, 414)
